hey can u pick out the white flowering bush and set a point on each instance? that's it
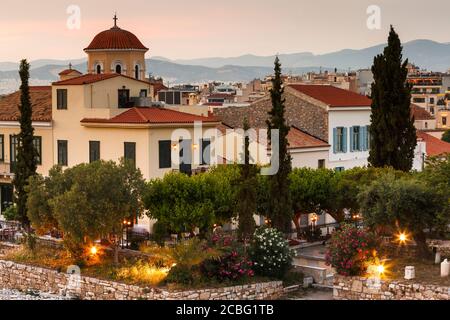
(270, 253)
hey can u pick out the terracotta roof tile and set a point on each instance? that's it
(299, 139)
(420, 113)
(41, 101)
(152, 115)
(86, 79)
(332, 96)
(92, 78)
(435, 147)
(115, 38)
(68, 71)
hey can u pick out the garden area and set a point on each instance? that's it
(90, 207)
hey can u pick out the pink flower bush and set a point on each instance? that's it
(350, 250)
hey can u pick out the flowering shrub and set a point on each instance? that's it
(270, 253)
(232, 264)
(351, 250)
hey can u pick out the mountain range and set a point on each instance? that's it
(426, 54)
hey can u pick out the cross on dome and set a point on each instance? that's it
(115, 20)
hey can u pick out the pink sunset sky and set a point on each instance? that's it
(180, 29)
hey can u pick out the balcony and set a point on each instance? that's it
(5, 171)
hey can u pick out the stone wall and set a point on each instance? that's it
(302, 112)
(358, 288)
(23, 277)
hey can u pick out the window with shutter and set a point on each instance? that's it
(62, 153)
(205, 153)
(2, 147)
(165, 154)
(130, 151)
(94, 151)
(344, 139)
(61, 99)
(37, 143)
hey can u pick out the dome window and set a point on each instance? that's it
(119, 69)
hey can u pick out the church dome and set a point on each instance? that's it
(116, 39)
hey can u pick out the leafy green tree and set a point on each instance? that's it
(87, 202)
(177, 201)
(346, 185)
(310, 190)
(247, 192)
(182, 203)
(437, 177)
(405, 203)
(280, 203)
(26, 163)
(446, 136)
(392, 132)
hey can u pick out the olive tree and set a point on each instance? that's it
(87, 202)
(401, 203)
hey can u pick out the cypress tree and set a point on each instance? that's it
(279, 202)
(392, 132)
(26, 162)
(247, 193)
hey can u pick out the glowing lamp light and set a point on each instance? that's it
(381, 269)
(93, 250)
(402, 237)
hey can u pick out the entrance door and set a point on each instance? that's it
(186, 156)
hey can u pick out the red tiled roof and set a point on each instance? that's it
(435, 147)
(115, 39)
(158, 86)
(152, 115)
(92, 78)
(86, 79)
(299, 139)
(41, 102)
(68, 71)
(332, 96)
(420, 113)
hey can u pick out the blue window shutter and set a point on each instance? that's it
(363, 138)
(367, 137)
(335, 147)
(351, 139)
(344, 140)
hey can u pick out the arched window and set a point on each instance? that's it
(99, 69)
(119, 69)
(136, 72)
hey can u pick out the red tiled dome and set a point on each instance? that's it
(116, 38)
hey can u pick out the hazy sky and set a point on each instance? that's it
(204, 28)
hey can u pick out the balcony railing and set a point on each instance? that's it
(5, 169)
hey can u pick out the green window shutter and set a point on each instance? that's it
(130, 151)
(62, 152)
(352, 137)
(165, 154)
(94, 151)
(344, 140)
(335, 141)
